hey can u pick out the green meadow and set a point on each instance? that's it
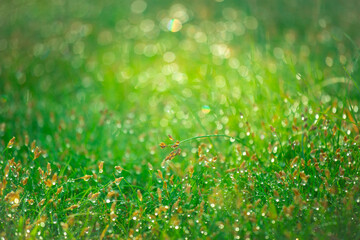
(204, 119)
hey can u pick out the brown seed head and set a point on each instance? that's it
(101, 165)
(94, 196)
(24, 181)
(177, 143)
(59, 190)
(162, 145)
(33, 145)
(119, 169)
(37, 153)
(48, 169)
(72, 207)
(11, 143)
(118, 180)
(86, 178)
(139, 195)
(159, 194)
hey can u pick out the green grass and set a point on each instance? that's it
(262, 97)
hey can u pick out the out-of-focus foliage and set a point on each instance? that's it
(263, 97)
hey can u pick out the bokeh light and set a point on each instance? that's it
(174, 25)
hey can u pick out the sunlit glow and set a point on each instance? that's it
(174, 25)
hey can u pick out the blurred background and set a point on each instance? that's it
(153, 68)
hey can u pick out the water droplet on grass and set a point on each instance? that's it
(55, 219)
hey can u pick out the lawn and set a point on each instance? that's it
(206, 119)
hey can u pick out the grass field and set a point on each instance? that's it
(179, 119)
